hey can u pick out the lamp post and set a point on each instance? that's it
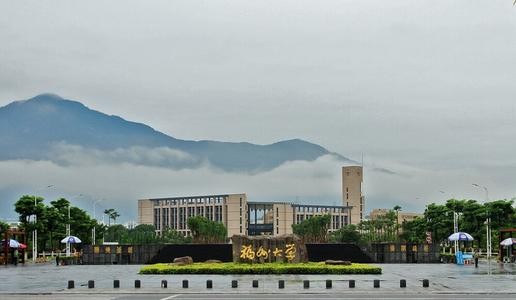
(488, 223)
(35, 231)
(95, 218)
(68, 233)
(455, 224)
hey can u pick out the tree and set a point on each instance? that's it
(111, 214)
(472, 215)
(314, 229)
(116, 233)
(397, 209)
(170, 236)
(346, 234)
(52, 220)
(414, 231)
(3, 227)
(206, 231)
(27, 207)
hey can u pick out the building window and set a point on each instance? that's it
(218, 213)
(240, 207)
(240, 229)
(182, 215)
(174, 218)
(347, 196)
(157, 218)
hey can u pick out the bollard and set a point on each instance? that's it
(426, 282)
(376, 283)
(91, 284)
(71, 284)
(234, 284)
(352, 284)
(306, 284)
(328, 284)
(403, 283)
(185, 284)
(255, 283)
(164, 284)
(209, 284)
(116, 284)
(137, 284)
(281, 284)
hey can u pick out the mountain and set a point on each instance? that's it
(43, 127)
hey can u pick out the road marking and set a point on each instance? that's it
(170, 297)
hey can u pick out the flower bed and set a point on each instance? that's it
(265, 268)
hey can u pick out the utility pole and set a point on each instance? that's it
(488, 224)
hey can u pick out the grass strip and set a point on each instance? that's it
(265, 268)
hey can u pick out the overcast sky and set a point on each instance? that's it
(424, 88)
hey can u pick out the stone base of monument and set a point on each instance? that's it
(181, 261)
(337, 262)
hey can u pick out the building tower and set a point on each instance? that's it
(352, 192)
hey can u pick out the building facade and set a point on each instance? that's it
(238, 215)
(352, 178)
(402, 216)
(174, 212)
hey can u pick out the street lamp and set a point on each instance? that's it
(35, 231)
(455, 225)
(488, 223)
(95, 218)
(68, 228)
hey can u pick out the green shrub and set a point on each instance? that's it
(265, 268)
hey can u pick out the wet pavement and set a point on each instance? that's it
(443, 278)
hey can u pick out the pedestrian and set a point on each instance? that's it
(476, 255)
(15, 257)
(57, 258)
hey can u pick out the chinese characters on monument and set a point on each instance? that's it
(260, 249)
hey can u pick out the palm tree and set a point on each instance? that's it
(397, 209)
(114, 215)
(109, 214)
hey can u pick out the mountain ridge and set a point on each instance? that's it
(31, 129)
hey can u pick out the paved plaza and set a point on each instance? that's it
(446, 281)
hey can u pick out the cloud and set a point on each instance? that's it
(122, 183)
(76, 155)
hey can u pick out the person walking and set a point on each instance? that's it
(476, 255)
(15, 257)
(57, 258)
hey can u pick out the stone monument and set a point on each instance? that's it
(261, 249)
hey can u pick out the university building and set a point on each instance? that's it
(252, 218)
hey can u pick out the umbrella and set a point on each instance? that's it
(12, 243)
(460, 236)
(71, 240)
(508, 242)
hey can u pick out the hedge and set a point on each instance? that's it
(265, 268)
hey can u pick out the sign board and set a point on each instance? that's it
(261, 249)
